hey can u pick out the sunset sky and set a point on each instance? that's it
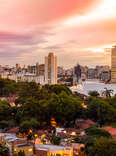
(75, 30)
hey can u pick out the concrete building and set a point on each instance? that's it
(105, 76)
(41, 69)
(27, 148)
(91, 74)
(53, 150)
(32, 69)
(76, 74)
(77, 71)
(61, 71)
(113, 65)
(18, 68)
(51, 69)
(16, 144)
(37, 68)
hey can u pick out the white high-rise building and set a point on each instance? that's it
(51, 69)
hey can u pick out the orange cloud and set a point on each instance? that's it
(44, 20)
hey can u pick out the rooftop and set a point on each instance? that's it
(51, 147)
(111, 130)
(22, 145)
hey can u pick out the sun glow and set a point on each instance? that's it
(99, 50)
(106, 10)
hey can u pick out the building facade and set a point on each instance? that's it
(53, 150)
(51, 69)
(113, 65)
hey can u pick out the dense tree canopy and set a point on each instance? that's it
(36, 105)
(44, 102)
(7, 87)
(100, 110)
(5, 111)
(101, 147)
(96, 132)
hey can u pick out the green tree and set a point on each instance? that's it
(102, 147)
(5, 111)
(4, 124)
(31, 108)
(21, 153)
(93, 93)
(64, 108)
(57, 89)
(4, 151)
(7, 87)
(28, 124)
(96, 132)
(78, 140)
(55, 140)
(18, 116)
(26, 90)
(112, 101)
(99, 110)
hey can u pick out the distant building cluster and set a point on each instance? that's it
(81, 73)
(51, 73)
(40, 73)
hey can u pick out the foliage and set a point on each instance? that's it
(43, 103)
(55, 140)
(99, 110)
(57, 89)
(5, 110)
(102, 147)
(89, 143)
(21, 153)
(4, 151)
(112, 101)
(7, 87)
(78, 140)
(64, 108)
(93, 93)
(28, 124)
(4, 124)
(96, 132)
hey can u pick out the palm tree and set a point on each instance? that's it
(107, 92)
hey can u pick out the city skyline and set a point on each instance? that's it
(76, 31)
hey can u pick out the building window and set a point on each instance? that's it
(30, 150)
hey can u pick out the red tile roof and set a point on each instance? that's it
(13, 130)
(84, 124)
(111, 130)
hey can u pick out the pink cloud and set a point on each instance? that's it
(35, 23)
(25, 13)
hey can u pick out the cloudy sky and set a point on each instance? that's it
(75, 30)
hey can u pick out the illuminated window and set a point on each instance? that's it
(30, 150)
(73, 133)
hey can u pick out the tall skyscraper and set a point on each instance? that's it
(51, 69)
(113, 65)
